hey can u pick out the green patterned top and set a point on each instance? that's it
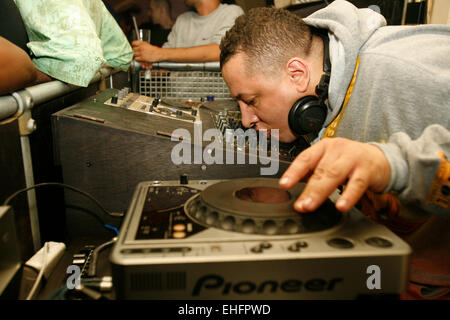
(71, 40)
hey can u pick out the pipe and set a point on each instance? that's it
(31, 194)
(197, 66)
(135, 71)
(42, 93)
(8, 107)
(181, 66)
(48, 91)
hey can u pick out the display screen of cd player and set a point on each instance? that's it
(163, 215)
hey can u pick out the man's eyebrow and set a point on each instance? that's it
(239, 96)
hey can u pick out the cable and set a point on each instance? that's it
(93, 265)
(92, 214)
(108, 226)
(170, 209)
(40, 275)
(57, 184)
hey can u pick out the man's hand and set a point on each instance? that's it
(16, 68)
(146, 65)
(331, 162)
(145, 52)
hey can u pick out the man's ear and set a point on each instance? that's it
(298, 73)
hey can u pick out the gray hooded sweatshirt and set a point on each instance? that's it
(401, 97)
(401, 103)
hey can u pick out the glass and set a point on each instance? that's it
(144, 35)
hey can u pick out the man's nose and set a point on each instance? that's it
(248, 116)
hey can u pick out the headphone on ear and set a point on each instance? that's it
(308, 114)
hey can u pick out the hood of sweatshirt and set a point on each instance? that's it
(348, 29)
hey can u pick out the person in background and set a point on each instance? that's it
(161, 22)
(379, 111)
(74, 39)
(195, 36)
(17, 71)
(16, 68)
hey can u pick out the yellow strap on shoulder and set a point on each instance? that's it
(332, 128)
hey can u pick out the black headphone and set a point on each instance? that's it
(308, 114)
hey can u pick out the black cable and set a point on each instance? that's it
(170, 209)
(89, 212)
(57, 184)
(92, 270)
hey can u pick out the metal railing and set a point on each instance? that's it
(13, 105)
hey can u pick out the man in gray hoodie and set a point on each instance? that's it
(383, 95)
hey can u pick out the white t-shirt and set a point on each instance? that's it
(191, 29)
